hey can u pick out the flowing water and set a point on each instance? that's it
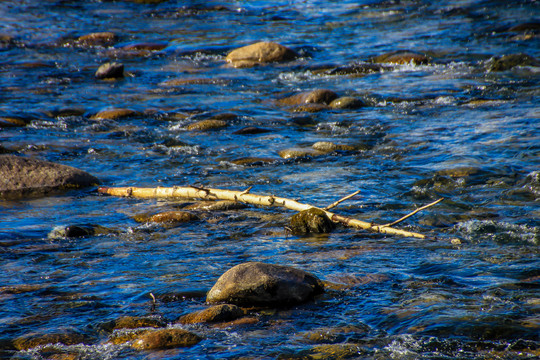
(451, 128)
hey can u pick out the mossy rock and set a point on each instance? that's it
(311, 221)
(508, 62)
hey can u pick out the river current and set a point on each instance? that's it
(454, 128)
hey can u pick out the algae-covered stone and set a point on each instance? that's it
(260, 284)
(259, 53)
(218, 313)
(507, 62)
(311, 221)
(327, 146)
(25, 177)
(165, 339)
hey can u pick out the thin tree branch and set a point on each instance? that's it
(333, 205)
(412, 213)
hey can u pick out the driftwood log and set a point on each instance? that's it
(193, 192)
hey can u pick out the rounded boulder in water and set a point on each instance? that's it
(267, 285)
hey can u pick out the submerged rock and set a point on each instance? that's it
(165, 339)
(75, 231)
(402, 57)
(8, 121)
(507, 62)
(311, 221)
(207, 124)
(218, 313)
(168, 217)
(318, 96)
(31, 341)
(259, 53)
(260, 284)
(223, 205)
(22, 177)
(327, 146)
(110, 71)
(97, 39)
(253, 161)
(114, 114)
(294, 153)
(132, 322)
(347, 102)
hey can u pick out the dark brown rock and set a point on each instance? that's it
(260, 284)
(13, 121)
(110, 71)
(217, 313)
(251, 130)
(253, 161)
(402, 57)
(259, 53)
(165, 339)
(311, 221)
(25, 177)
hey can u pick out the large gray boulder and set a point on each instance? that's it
(22, 177)
(260, 284)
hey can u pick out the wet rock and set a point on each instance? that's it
(14, 121)
(260, 284)
(114, 114)
(294, 153)
(112, 70)
(207, 124)
(333, 334)
(311, 221)
(319, 96)
(165, 339)
(147, 46)
(251, 130)
(354, 69)
(259, 53)
(122, 336)
(402, 57)
(76, 231)
(97, 39)
(532, 27)
(253, 161)
(327, 146)
(223, 205)
(336, 352)
(347, 102)
(6, 41)
(65, 112)
(22, 177)
(507, 62)
(310, 108)
(217, 313)
(170, 217)
(248, 320)
(216, 206)
(195, 81)
(132, 322)
(31, 341)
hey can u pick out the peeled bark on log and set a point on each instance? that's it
(193, 192)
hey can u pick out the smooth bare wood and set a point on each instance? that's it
(412, 213)
(193, 192)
